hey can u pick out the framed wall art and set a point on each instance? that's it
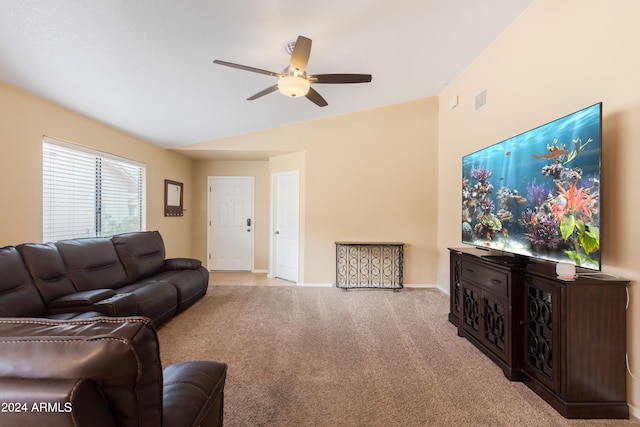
(173, 198)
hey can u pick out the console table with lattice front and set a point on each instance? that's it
(565, 339)
(369, 265)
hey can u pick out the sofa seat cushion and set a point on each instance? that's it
(193, 393)
(75, 316)
(190, 284)
(19, 296)
(155, 299)
(141, 253)
(92, 263)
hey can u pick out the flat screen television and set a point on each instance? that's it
(537, 195)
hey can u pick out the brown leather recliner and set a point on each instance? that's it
(123, 275)
(101, 372)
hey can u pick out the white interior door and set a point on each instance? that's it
(231, 223)
(286, 225)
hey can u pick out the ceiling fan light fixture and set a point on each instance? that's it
(294, 86)
(293, 81)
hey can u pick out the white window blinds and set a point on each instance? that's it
(87, 193)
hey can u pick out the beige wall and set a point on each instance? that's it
(557, 57)
(368, 176)
(24, 119)
(372, 176)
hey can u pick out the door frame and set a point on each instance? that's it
(210, 179)
(272, 226)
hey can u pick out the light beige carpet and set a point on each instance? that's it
(322, 357)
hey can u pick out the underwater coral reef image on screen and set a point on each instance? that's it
(538, 194)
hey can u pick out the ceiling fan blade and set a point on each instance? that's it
(340, 78)
(316, 98)
(300, 54)
(246, 68)
(264, 92)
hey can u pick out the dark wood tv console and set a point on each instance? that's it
(566, 340)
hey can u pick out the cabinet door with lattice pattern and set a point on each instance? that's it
(495, 331)
(455, 290)
(542, 315)
(471, 309)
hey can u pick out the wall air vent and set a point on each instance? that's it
(481, 99)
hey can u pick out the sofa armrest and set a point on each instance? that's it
(181, 264)
(120, 355)
(193, 394)
(118, 305)
(81, 299)
(53, 402)
(113, 304)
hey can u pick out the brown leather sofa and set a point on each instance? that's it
(101, 372)
(124, 275)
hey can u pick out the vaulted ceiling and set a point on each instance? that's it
(146, 66)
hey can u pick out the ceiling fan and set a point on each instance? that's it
(294, 80)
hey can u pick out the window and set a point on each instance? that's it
(87, 193)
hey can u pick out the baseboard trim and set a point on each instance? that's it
(419, 285)
(444, 291)
(315, 285)
(415, 285)
(633, 411)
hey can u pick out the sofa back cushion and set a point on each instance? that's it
(18, 295)
(47, 270)
(92, 263)
(120, 355)
(142, 253)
